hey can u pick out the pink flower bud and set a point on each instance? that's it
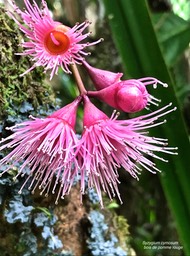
(131, 97)
(102, 78)
(128, 96)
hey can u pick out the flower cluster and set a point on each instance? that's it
(50, 147)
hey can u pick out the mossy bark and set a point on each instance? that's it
(14, 89)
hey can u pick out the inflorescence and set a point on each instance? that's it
(50, 148)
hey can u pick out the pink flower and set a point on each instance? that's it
(128, 95)
(50, 43)
(108, 144)
(47, 147)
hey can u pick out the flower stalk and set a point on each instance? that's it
(78, 80)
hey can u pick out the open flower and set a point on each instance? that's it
(47, 147)
(108, 144)
(50, 43)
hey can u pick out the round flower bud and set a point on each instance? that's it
(129, 96)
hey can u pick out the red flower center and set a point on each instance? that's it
(56, 42)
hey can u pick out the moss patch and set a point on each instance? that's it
(15, 90)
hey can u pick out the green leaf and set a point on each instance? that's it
(173, 34)
(141, 55)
